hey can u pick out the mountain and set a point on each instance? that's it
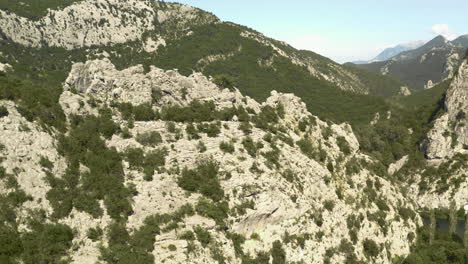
(388, 53)
(392, 52)
(425, 66)
(150, 132)
(461, 41)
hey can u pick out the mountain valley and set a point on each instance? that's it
(138, 131)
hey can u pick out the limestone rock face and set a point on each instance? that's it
(428, 85)
(23, 144)
(314, 201)
(404, 90)
(100, 79)
(5, 67)
(450, 133)
(83, 24)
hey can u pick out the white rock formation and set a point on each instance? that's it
(5, 67)
(82, 24)
(99, 22)
(405, 91)
(279, 205)
(428, 85)
(450, 132)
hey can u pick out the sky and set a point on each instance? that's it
(344, 30)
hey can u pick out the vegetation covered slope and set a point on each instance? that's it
(107, 156)
(34, 9)
(436, 61)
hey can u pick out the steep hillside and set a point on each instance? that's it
(157, 167)
(188, 39)
(422, 68)
(151, 132)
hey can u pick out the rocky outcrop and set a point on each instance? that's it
(450, 132)
(5, 67)
(310, 200)
(405, 91)
(100, 23)
(83, 24)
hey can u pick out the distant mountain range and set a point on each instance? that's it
(388, 53)
(424, 66)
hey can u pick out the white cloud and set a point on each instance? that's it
(444, 30)
(336, 50)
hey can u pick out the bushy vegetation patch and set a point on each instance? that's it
(41, 243)
(445, 249)
(227, 147)
(217, 211)
(34, 101)
(124, 248)
(250, 146)
(203, 179)
(371, 249)
(146, 162)
(34, 9)
(3, 111)
(277, 253)
(343, 145)
(103, 181)
(151, 138)
(443, 177)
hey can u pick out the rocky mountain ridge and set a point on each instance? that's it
(391, 52)
(148, 150)
(152, 24)
(284, 192)
(423, 67)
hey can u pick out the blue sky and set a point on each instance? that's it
(344, 30)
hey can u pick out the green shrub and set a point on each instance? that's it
(151, 138)
(126, 110)
(125, 133)
(46, 163)
(406, 213)
(203, 179)
(255, 236)
(371, 249)
(217, 211)
(343, 145)
(245, 127)
(272, 158)
(34, 100)
(3, 111)
(327, 132)
(95, 234)
(307, 148)
(46, 243)
(329, 205)
(224, 81)
(277, 253)
(103, 181)
(172, 247)
(195, 112)
(187, 235)
(211, 129)
(203, 236)
(250, 146)
(353, 166)
(201, 147)
(144, 112)
(192, 132)
(268, 117)
(227, 147)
